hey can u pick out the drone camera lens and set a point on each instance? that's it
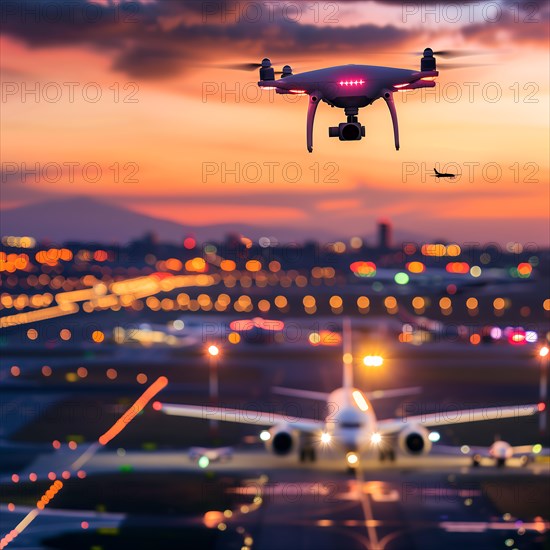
(351, 132)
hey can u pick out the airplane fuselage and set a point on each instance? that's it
(349, 426)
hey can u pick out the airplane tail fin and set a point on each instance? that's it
(347, 356)
(437, 173)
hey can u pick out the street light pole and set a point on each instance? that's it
(213, 389)
(543, 384)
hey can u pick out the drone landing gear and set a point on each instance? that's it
(388, 98)
(314, 100)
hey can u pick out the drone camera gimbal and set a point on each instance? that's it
(350, 130)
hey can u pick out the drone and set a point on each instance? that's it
(349, 87)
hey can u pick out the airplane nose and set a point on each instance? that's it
(348, 439)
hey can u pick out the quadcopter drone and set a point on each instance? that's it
(349, 87)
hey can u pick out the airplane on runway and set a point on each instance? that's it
(351, 424)
(500, 451)
(207, 455)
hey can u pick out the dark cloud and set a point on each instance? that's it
(156, 40)
(160, 39)
(525, 24)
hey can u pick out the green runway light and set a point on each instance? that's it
(537, 448)
(401, 278)
(203, 462)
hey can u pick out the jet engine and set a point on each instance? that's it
(281, 441)
(414, 441)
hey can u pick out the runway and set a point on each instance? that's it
(413, 503)
(142, 490)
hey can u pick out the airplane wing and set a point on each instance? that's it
(322, 396)
(397, 392)
(242, 416)
(394, 425)
(307, 394)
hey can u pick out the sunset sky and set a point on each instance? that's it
(167, 116)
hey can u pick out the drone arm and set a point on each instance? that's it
(388, 98)
(314, 100)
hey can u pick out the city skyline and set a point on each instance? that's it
(144, 101)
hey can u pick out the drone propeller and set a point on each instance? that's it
(246, 66)
(450, 66)
(243, 67)
(451, 54)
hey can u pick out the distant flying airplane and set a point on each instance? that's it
(443, 175)
(351, 424)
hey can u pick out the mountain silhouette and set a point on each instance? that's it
(90, 220)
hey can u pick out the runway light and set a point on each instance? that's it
(375, 438)
(434, 436)
(136, 408)
(401, 278)
(265, 436)
(352, 459)
(203, 462)
(325, 438)
(212, 518)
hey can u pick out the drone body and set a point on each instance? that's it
(350, 87)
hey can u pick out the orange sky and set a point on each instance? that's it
(178, 142)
